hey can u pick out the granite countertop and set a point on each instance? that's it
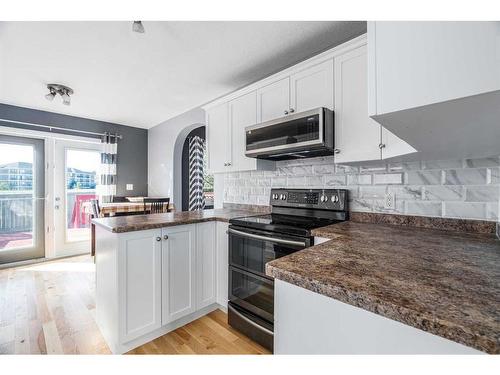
(121, 224)
(445, 283)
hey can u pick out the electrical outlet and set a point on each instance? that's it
(390, 201)
(129, 187)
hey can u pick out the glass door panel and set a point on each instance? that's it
(22, 199)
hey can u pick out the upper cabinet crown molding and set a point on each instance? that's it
(437, 85)
(317, 59)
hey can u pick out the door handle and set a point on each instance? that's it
(265, 238)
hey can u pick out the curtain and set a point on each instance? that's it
(196, 161)
(106, 187)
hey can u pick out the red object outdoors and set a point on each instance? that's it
(79, 216)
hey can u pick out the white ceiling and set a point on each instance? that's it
(144, 79)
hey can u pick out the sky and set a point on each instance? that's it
(84, 160)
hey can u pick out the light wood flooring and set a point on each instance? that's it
(49, 308)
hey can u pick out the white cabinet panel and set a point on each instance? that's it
(420, 63)
(273, 100)
(218, 133)
(178, 272)
(312, 87)
(222, 263)
(242, 113)
(394, 146)
(357, 137)
(140, 280)
(206, 267)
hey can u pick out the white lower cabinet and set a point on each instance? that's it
(139, 282)
(153, 281)
(206, 267)
(222, 263)
(178, 272)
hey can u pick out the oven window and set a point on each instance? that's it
(253, 254)
(252, 292)
(294, 131)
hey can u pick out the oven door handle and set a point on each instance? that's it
(249, 321)
(265, 238)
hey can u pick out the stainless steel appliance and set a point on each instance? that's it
(301, 135)
(256, 240)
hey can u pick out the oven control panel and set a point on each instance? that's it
(332, 199)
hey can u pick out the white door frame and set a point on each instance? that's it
(49, 140)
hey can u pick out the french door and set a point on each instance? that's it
(22, 198)
(75, 179)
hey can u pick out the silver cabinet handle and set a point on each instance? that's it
(265, 238)
(225, 164)
(165, 237)
(252, 323)
(229, 164)
(336, 151)
(286, 112)
(381, 145)
(158, 238)
(292, 110)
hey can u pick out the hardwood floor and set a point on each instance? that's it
(49, 308)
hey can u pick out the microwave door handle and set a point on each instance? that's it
(265, 238)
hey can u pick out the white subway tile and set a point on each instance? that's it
(423, 178)
(314, 182)
(359, 179)
(466, 177)
(465, 210)
(406, 192)
(484, 162)
(334, 180)
(443, 193)
(388, 178)
(292, 182)
(346, 169)
(423, 208)
(324, 169)
(372, 192)
(443, 164)
(489, 193)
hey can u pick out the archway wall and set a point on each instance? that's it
(165, 142)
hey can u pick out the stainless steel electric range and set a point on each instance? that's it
(256, 240)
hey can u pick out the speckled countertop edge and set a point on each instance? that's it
(488, 342)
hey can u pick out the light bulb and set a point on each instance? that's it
(66, 98)
(138, 27)
(50, 96)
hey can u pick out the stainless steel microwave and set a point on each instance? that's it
(301, 135)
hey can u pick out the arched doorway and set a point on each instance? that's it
(197, 185)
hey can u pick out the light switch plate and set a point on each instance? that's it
(129, 187)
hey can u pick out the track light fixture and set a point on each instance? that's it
(62, 90)
(138, 27)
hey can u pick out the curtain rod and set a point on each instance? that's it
(61, 129)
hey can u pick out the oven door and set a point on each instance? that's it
(251, 249)
(252, 292)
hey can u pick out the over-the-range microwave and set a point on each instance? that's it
(301, 135)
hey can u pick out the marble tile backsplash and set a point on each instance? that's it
(466, 189)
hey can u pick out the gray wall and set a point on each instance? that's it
(165, 153)
(132, 167)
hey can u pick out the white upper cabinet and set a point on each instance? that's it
(357, 136)
(218, 131)
(242, 113)
(437, 85)
(421, 63)
(273, 100)
(312, 88)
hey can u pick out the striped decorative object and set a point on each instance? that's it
(106, 187)
(196, 161)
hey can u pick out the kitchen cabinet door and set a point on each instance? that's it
(357, 136)
(218, 134)
(178, 272)
(222, 244)
(242, 113)
(393, 145)
(273, 100)
(206, 267)
(312, 88)
(140, 283)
